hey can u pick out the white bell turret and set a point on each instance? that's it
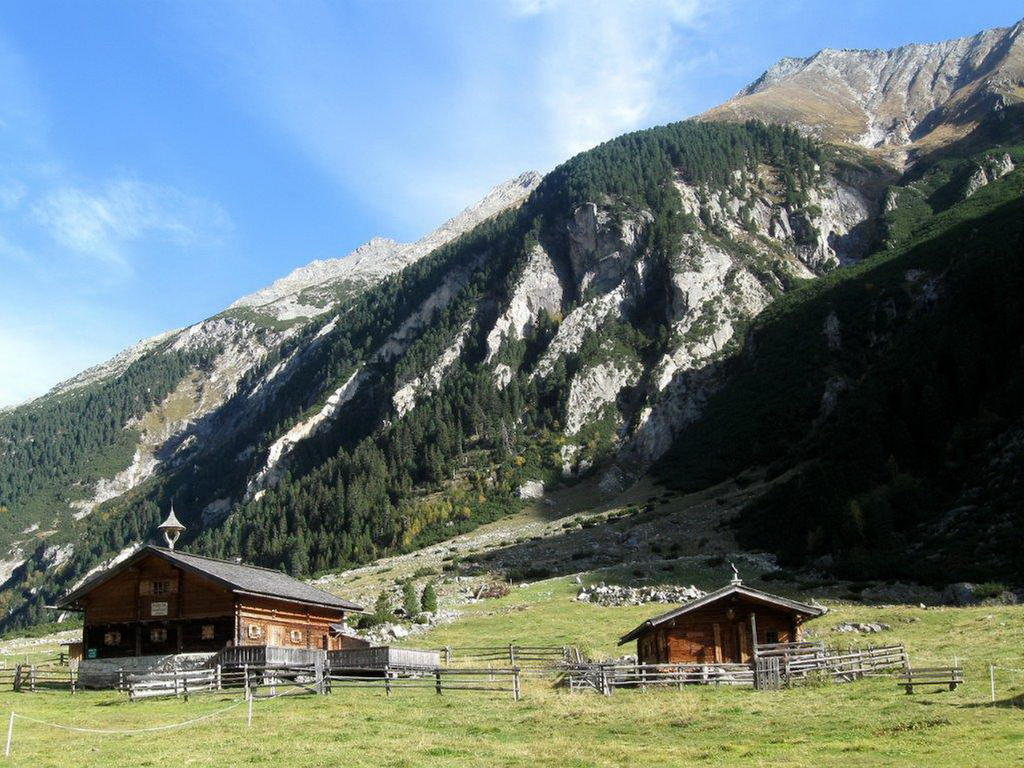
(171, 528)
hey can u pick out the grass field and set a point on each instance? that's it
(868, 723)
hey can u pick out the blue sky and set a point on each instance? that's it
(160, 159)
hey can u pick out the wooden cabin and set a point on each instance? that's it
(721, 627)
(160, 602)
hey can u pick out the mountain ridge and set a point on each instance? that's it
(900, 101)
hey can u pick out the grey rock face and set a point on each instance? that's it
(612, 594)
(861, 628)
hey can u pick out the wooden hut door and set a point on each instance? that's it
(742, 633)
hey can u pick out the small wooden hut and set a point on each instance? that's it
(722, 627)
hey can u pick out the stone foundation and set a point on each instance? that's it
(105, 673)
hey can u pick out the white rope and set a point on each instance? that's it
(1007, 669)
(132, 730)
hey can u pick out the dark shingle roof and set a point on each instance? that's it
(248, 579)
(732, 589)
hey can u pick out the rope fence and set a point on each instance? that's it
(992, 670)
(248, 700)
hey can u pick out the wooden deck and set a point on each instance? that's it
(381, 658)
(266, 656)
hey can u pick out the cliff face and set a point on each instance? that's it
(913, 97)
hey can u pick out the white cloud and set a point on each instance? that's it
(604, 64)
(102, 223)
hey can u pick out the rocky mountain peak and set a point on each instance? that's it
(311, 289)
(919, 94)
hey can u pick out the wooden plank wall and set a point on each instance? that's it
(711, 636)
(277, 620)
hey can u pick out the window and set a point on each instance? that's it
(255, 631)
(296, 635)
(207, 632)
(771, 636)
(158, 635)
(112, 638)
(161, 587)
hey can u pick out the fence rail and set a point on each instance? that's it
(516, 655)
(29, 677)
(439, 680)
(780, 664)
(603, 678)
(271, 681)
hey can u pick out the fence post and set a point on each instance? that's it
(184, 684)
(992, 681)
(515, 685)
(387, 680)
(245, 682)
(511, 655)
(437, 679)
(32, 678)
(447, 655)
(248, 696)
(219, 685)
(10, 734)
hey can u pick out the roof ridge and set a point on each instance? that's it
(221, 560)
(711, 597)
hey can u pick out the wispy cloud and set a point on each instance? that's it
(605, 65)
(71, 242)
(102, 223)
(522, 87)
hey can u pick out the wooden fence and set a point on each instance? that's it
(273, 681)
(438, 680)
(535, 656)
(797, 660)
(603, 678)
(29, 677)
(780, 664)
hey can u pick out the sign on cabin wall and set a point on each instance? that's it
(158, 609)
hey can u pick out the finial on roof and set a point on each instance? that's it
(171, 528)
(736, 580)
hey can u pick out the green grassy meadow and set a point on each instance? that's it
(868, 723)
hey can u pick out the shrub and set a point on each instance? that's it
(988, 589)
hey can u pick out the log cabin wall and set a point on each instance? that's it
(716, 634)
(153, 607)
(264, 621)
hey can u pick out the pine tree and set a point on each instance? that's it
(382, 611)
(428, 602)
(410, 602)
